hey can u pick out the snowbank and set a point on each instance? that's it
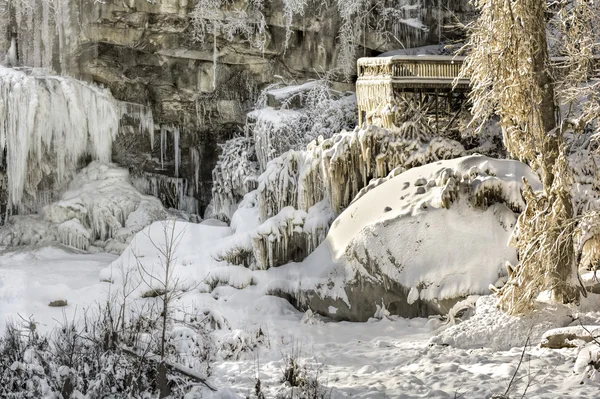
(141, 266)
(492, 328)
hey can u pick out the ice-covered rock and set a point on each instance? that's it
(420, 240)
(100, 208)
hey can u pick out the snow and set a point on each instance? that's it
(492, 328)
(388, 358)
(31, 277)
(433, 49)
(284, 93)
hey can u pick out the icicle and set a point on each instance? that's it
(47, 33)
(177, 150)
(215, 56)
(172, 191)
(195, 159)
(141, 115)
(163, 145)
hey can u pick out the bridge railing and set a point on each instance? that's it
(434, 67)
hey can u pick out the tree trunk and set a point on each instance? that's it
(551, 138)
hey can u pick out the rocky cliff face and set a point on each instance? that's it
(145, 53)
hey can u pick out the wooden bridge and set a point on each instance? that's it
(394, 90)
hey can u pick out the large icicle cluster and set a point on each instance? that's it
(300, 192)
(234, 175)
(100, 208)
(42, 34)
(48, 124)
(140, 115)
(339, 167)
(291, 235)
(175, 192)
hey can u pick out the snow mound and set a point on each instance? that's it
(492, 328)
(432, 234)
(141, 266)
(100, 208)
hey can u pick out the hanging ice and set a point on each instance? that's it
(173, 192)
(140, 115)
(48, 124)
(177, 150)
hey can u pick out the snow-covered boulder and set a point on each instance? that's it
(419, 241)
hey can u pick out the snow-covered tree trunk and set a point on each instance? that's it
(509, 69)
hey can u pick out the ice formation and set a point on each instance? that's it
(234, 175)
(300, 192)
(50, 124)
(175, 192)
(339, 167)
(40, 28)
(100, 208)
(291, 235)
(140, 115)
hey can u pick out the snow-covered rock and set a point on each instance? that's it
(569, 337)
(420, 240)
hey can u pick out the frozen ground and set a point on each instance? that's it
(378, 359)
(32, 277)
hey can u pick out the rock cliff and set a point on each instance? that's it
(145, 52)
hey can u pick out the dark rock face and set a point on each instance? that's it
(392, 295)
(145, 53)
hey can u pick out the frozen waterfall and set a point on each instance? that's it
(48, 123)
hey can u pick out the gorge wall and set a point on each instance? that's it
(200, 91)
